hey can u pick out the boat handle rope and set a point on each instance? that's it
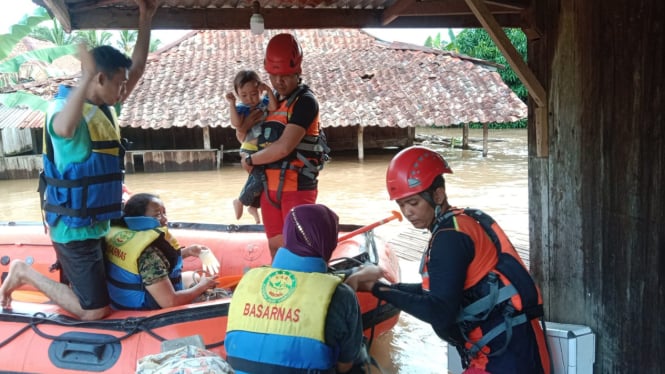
(138, 326)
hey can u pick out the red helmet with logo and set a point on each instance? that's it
(283, 55)
(413, 170)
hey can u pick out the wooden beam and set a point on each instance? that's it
(511, 4)
(238, 19)
(437, 8)
(395, 10)
(60, 12)
(505, 46)
(522, 70)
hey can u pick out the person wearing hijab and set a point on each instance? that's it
(293, 315)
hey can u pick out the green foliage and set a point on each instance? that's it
(127, 40)
(38, 59)
(154, 45)
(24, 99)
(46, 55)
(94, 38)
(435, 42)
(20, 30)
(452, 46)
(54, 34)
(478, 43)
(521, 124)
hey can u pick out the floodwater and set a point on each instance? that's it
(496, 184)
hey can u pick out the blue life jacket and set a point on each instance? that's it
(89, 191)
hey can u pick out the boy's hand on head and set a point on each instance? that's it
(87, 61)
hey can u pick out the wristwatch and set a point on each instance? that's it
(248, 160)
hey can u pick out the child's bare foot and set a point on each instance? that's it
(237, 207)
(12, 282)
(254, 211)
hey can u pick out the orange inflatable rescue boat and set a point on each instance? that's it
(39, 337)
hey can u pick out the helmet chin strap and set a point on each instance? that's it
(428, 197)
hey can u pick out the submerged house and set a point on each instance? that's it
(372, 94)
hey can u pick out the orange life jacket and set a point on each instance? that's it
(308, 157)
(497, 262)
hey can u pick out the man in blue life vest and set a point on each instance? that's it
(475, 291)
(293, 317)
(82, 179)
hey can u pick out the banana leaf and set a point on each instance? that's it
(24, 99)
(21, 30)
(45, 54)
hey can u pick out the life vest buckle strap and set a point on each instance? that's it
(481, 308)
(506, 326)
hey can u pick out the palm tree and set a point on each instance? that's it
(94, 38)
(54, 34)
(127, 41)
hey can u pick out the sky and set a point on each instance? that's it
(12, 14)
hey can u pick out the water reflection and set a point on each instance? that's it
(496, 184)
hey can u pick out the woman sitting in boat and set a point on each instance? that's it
(292, 317)
(144, 262)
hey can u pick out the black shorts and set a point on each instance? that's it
(82, 263)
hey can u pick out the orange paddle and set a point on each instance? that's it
(395, 215)
(228, 281)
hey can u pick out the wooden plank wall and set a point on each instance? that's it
(20, 167)
(597, 221)
(171, 160)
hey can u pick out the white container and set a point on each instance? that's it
(572, 348)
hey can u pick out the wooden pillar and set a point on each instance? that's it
(465, 136)
(486, 127)
(206, 137)
(361, 149)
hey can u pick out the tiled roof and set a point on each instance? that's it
(357, 79)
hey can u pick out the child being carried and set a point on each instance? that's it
(249, 88)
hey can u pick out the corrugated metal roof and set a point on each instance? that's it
(20, 118)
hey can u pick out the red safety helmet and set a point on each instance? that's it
(283, 55)
(413, 170)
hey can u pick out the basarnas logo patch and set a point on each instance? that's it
(278, 286)
(122, 237)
